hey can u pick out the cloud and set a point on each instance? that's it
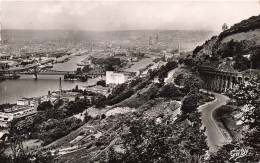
(121, 15)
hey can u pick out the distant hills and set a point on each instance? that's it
(189, 39)
(237, 48)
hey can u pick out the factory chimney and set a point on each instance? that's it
(60, 87)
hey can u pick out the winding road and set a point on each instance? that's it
(214, 135)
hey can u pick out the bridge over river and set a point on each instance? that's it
(53, 72)
(220, 81)
(40, 72)
(34, 71)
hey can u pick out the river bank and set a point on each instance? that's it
(26, 86)
(13, 90)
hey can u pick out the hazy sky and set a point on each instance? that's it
(131, 15)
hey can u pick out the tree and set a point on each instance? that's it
(3, 156)
(190, 103)
(79, 70)
(179, 79)
(169, 91)
(171, 65)
(252, 137)
(143, 140)
(87, 117)
(5, 106)
(44, 106)
(102, 83)
(241, 63)
(255, 58)
(197, 49)
(58, 104)
(77, 98)
(193, 83)
(103, 116)
(86, 68)
(99, 100)
(224, 27)
(197, 139)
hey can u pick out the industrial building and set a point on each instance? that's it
(25, 107)
(114, 78)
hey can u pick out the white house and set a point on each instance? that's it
(23, 102)
(15, 112)
(114, 78)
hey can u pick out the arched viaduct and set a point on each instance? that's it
(220, 81)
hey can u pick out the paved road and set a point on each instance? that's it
(214, 135)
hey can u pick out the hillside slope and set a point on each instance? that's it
(235, 49)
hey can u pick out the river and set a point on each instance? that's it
(26, 86)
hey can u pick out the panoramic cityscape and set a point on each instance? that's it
(129, 81)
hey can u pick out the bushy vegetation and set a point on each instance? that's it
(189, 62)
(108, 63)
(135, 82)
(241, 63)
(255, 58)
(102, 83)
(190, 103)
(234, 49)
(51, 122)
(119, 93)
(162, 72)
(179, 79)
(86, 68)
(27, 158)
(193, 83)
(122, 96)
(244, 26)
(46, 105)
(99, 100)
(5, 106)
(143, 140)
(170, 91)
(197, 49)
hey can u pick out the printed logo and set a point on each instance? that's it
(238, 153)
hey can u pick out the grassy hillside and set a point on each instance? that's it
(244, 26)
(237, 48)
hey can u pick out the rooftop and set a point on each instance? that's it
(16, 109)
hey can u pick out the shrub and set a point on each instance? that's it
(87, 117)
(98, 144)
(135, 82)
(81, 133)
(169, 91)
(102, 83)
(190, 103)
(89, 146)
(124, 95)
(197, 49)
(44, 106)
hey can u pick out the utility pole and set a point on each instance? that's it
(60, 89)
